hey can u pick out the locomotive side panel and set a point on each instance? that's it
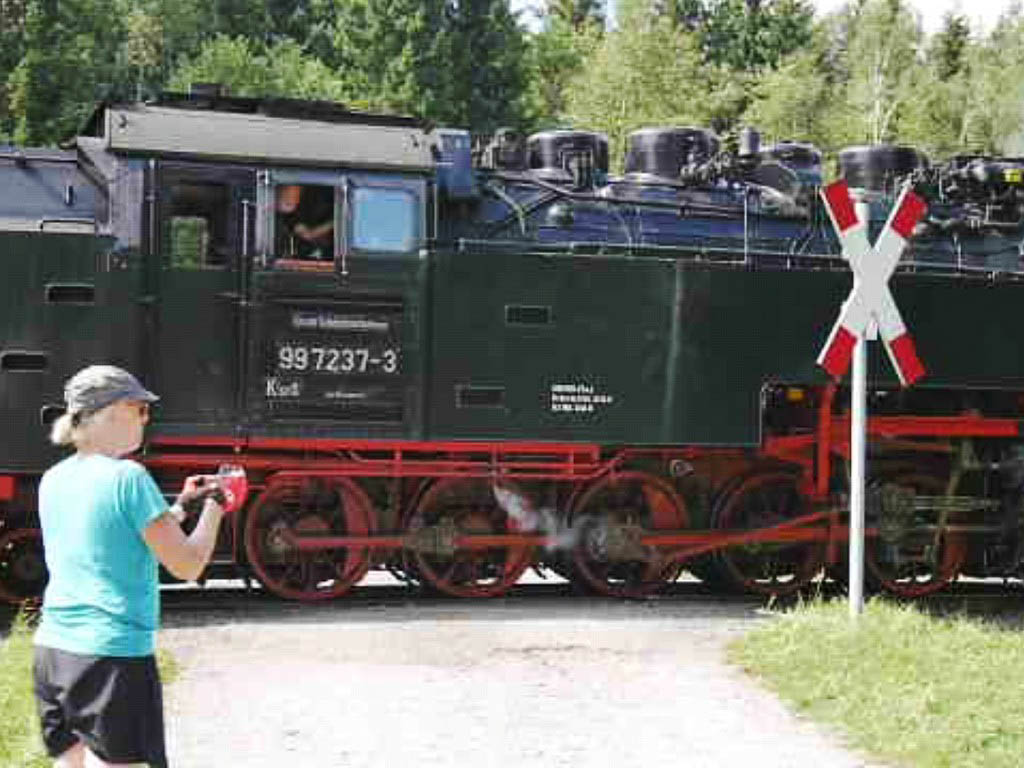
(739, 330)
(66, 301)
(337, 359)
(963, 330)
(547, 347)
(648, 351)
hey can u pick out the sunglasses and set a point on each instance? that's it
(142, 408)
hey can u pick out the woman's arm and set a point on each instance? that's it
(185, 556)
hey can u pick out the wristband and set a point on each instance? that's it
(177, 511)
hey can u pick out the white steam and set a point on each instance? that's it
(532, 520)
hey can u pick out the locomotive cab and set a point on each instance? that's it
(296, 239)
(268, 260)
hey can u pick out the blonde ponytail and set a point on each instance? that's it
(63, 430)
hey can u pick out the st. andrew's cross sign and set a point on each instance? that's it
(870, 298)
(869, 306)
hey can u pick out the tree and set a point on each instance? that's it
(948, 49)
(485, 77)
(645, 72)
(742, 34)
(937, 119)
(692, 14)
(993, 117)
(141, 54)
(579, 15)
(883, 62)
(68, 63)
(250, 68)
(12, 47)
(391, 52)
(789, 102)
(459, 63)
(555, 56)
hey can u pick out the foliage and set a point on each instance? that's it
(992, 119)
(555, 56)
(645, 72)
(865, 73)
(12, 47)
(787, 101)
(947, 50)
(252, 69)
(20, 744)
(69, 47)
(482, 73)
(743, 34)
(903, 686)
(871, 76)
(390, 50)
(578, 15)
(884, 44)
(457, 63)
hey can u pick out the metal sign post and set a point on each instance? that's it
(858, 472)
(869, 310)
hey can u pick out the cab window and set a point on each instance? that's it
(304, 222)
(196, 225)
(384, 219)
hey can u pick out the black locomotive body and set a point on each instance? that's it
(454, 362)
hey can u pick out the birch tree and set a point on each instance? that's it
(884, 58)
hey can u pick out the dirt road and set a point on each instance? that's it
(540, 680)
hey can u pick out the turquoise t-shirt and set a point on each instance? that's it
(103, 595)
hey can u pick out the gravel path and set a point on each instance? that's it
(522, 682)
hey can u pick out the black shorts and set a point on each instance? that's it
(114, 704)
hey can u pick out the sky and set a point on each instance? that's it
(981, 13)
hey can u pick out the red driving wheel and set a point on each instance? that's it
(334, 506)
(463, 507)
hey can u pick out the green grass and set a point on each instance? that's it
(901, 686)
(20, 745)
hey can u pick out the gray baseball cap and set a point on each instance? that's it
(98, 386)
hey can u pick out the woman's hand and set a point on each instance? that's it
(196, 488)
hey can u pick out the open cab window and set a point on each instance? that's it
(304, 218)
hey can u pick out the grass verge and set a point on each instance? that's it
(902, 686)
(20, 745)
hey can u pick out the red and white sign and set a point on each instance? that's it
(870, 300)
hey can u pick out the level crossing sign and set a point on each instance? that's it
(870, 304)
(869, 310)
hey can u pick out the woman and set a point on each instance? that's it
(105, 526)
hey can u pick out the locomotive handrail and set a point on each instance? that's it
(669, 253)
(702, 208)
(718, 256)
(69, 220)
(511, 203)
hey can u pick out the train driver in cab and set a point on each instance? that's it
(305, 222)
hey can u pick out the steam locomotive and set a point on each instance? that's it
(454, 358)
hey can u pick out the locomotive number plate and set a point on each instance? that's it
(315, 358)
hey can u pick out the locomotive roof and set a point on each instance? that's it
(288, 131)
